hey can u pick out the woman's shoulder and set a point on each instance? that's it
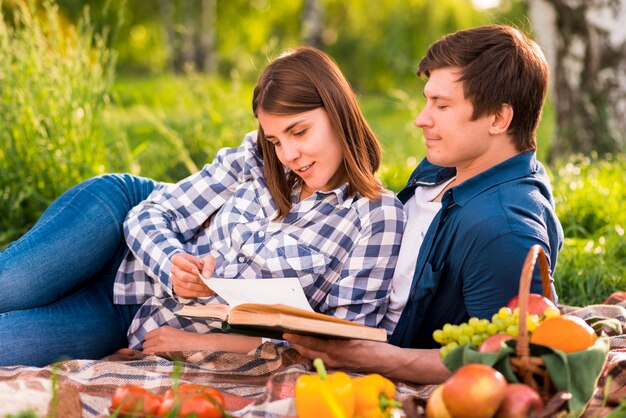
(386, 205)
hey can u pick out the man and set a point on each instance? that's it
(475, 205)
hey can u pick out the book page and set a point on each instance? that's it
(263, 291)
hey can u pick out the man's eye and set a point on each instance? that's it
(441, 107)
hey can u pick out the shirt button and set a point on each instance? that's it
(241, 259)
(260, 234)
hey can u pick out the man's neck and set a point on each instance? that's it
(488, 160)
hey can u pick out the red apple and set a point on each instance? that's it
(493, 343)
(536, 303)
(520, 401)
(435, 408)
(474, 391)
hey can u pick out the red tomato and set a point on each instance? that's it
(193, 400)
(135, 400)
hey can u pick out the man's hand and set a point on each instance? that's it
(350, 355)
(413, 365)
(185, 277)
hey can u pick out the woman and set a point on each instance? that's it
(298, 198)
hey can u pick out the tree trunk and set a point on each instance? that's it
(313, 23)
(207, 61)
(585, 44)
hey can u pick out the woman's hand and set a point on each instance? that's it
(172, 339)
(185, 276)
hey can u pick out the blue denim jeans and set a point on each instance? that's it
(56, 281)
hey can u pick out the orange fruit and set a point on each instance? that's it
(566, 333)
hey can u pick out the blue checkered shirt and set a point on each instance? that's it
(342, 248)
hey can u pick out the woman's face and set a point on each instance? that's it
(307, 144)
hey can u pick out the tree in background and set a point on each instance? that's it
(190, 31)
(585, 43)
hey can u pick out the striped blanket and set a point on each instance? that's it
(260, 383)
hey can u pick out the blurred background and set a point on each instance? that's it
(156, 87)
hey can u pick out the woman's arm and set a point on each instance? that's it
(156, 229)
(171, 339)
(421, 366)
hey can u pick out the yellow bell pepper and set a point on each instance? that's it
(374, 396)
(324, 395)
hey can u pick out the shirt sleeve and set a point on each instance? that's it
(157, 228)
(362, 292)
(493, 273)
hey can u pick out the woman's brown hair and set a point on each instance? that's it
(305, 79)
(499, 65)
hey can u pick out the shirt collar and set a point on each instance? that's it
(515, 167)
(427, 174)
(340, 192)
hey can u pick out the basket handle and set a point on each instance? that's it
(535, 253)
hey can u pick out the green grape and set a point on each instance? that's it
(510, 320)
(499, 323)
(452, 345)
(492, 329)
(463, 339)
(456, 332)
(438, 336)
(532, 322)
(467, 329)
(443, 351)
(476, 339)
(473, 321)
(447, 328)
(504, 312)
(512, 330)
(481, 326)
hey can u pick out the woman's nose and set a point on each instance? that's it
(290, 151)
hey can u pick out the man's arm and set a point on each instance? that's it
(412, 365)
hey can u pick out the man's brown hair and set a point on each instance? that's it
(499, 65)
(305, 79)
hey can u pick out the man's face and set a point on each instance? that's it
(452, 138)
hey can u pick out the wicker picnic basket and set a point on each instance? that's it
(530, 369)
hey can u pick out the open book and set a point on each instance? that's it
(270, 307)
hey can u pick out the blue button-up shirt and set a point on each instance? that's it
(472, 255)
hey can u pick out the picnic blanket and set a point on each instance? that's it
(259, 383)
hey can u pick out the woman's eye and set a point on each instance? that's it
(441, 107)
(299, 133)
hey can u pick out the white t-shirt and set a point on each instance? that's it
(420, 211)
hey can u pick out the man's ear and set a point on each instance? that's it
(501, 120)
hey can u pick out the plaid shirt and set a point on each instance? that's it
(342, 248)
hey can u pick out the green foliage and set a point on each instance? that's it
(589, 192)
(175, 125)
(54, 88)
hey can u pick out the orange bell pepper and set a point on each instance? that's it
(374, 396)
(324, 395)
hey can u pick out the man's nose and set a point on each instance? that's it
(423, 119)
